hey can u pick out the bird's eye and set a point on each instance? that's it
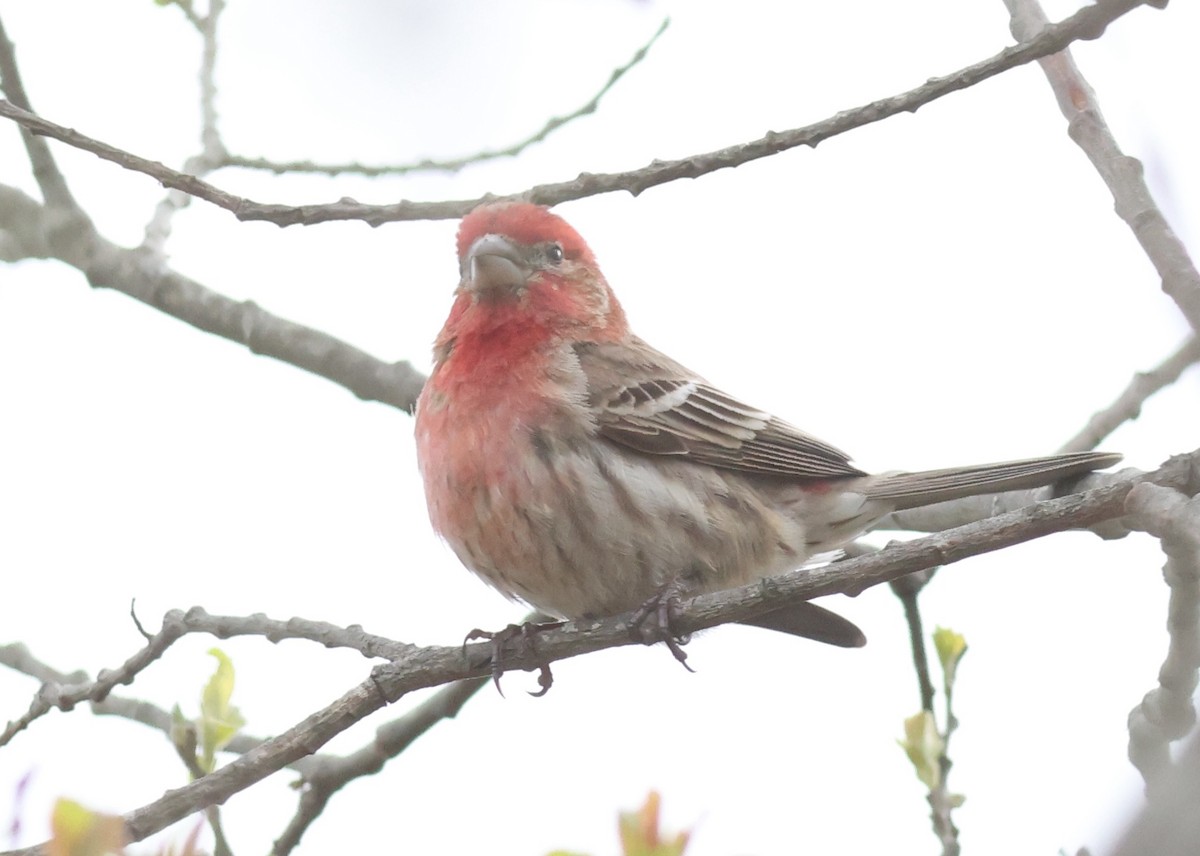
(554, 253)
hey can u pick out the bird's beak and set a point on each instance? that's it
(493, 266)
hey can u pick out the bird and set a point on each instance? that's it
(574, 467)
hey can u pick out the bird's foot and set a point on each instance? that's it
(654, 621)
(515, 641)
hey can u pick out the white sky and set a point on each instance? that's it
(942, 288)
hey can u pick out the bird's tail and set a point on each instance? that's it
(909, 490)
(812, 622)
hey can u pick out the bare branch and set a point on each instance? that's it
(1088, 23)
(1168, 824)
(65, 696)
(246, 323)
(23, 226)
(19, 658)
(453, 164)
(1128, 405)
(433, 666)
(323, 774)
(212, 153)
(1122, 174)
(1167, 712)
(332, 774)
(210, 137)
(60, 694)
(144, 276)
(51, 181)
(196, 620)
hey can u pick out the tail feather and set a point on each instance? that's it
(812, 622)
(909, 490)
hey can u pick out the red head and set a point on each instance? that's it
(521, 223)
(525, 269)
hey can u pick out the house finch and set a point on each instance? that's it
(576, 468)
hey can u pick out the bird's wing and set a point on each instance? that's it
(644, 400)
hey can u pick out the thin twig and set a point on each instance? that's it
(941, 804)
(196, 620)
(1128, 405)
(907, 589)
(187, 754)
(65, 696)
(452, 165)
(390, 740)
(176, 624)
(323, 775)
(210, 137)
(50, 180)
(212, 152)
(1122, 174)
(1088, 23)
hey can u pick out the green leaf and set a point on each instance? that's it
(924, 747)
(950, 649)
(220, 721)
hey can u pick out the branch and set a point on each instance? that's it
(1088, 23)
(1128, 405)
(58, 693)
(433, 666)
(941, 802)
(1167, 712)
(323, 774)
(453, 165)
(50, 180)
(144, 278)
(1168, 824)
(390, 740)
(64, 696)
(143, 275)
(1122, 174)
(23, 227)
(18, 657)
(196, 620)
(907, 589)
(212, 153)
(210, 137)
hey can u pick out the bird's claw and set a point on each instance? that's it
(654, 621)
(518, 640)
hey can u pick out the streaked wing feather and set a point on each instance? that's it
(645, 401)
